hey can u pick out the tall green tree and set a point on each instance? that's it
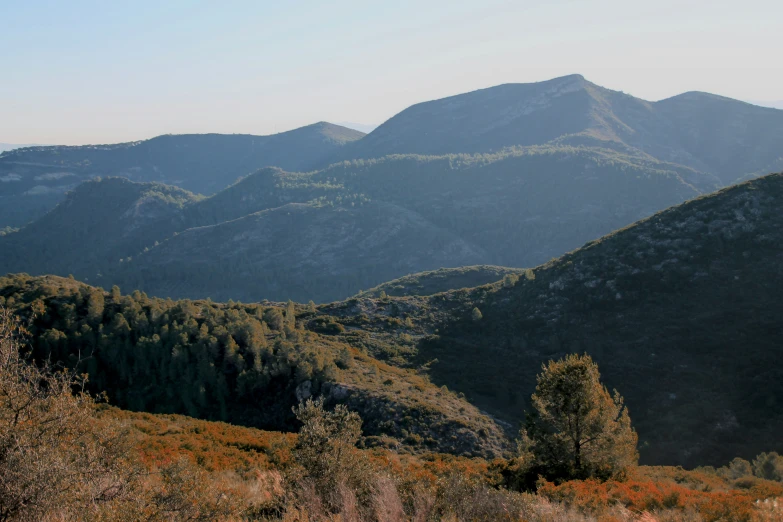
(576, 428)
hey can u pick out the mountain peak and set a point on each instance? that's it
(567, 78)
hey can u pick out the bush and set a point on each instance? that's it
(769, 466)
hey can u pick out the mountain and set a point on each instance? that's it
(681, 311)
(36, 178)
(98, 224)
(325, 235)
(328, 232)
(297, 251)
(718, 136)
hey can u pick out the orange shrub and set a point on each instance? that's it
(594, 497)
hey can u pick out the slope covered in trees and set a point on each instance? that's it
(680, 310)
(34, 179)
(328, 234)
(248, 364)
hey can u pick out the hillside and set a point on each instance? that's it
(721, 137)
(36, 178)
(442, 280)
(681, 312)
(97, 225)
(328, 234)
(297, 251)
(246, 364)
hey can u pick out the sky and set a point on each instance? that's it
(81, 71)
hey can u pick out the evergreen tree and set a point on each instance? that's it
(290, 315)
(577, 429)
(95, 306)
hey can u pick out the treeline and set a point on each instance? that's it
(215, 361)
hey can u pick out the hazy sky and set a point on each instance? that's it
(107, 71)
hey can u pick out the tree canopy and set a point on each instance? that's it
(577, 429)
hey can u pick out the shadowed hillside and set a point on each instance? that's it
(98, 224)
(680, 310)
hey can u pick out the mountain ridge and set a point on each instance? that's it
(572, 110)
(203, 163)
(517, 208)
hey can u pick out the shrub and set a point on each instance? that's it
(769, 466)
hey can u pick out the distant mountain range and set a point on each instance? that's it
(202, 163)
(512, 175)
(720, 137)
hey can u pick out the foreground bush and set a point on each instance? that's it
(59, 461)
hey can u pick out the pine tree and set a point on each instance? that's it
(290, 315)
(95, 306)
(577, 429)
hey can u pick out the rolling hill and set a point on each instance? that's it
(36, 178)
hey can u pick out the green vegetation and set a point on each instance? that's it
(576, 430)
(673, 308)
(243, 363)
